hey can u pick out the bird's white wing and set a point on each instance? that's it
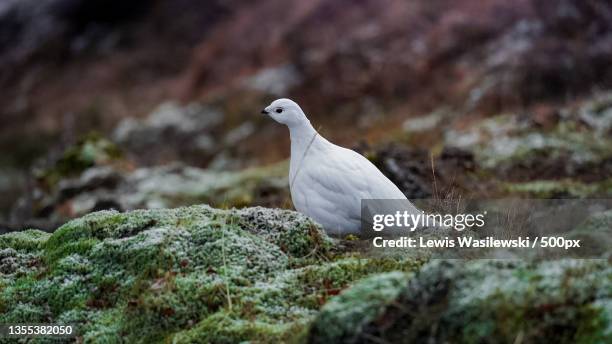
(389, 197)
(333, 183)
(326, 188)
(375, 184)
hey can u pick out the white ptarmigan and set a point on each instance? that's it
(327, 181)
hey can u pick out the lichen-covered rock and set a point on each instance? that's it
(113, 187)
(193, 274)
(553, 152)
(566, 301)
(506, 142)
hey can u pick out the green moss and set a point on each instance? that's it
(20, 255)
(336, 275)
(565, 301)
(25, 313)
(27, 240)
(223, 328)
(199, 274)
(105, 327)
(293, 232)
(186, 274)
(343, 317)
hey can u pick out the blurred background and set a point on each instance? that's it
(144, 104)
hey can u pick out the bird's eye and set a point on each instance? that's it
(279, 110)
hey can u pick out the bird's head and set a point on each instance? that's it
(285, 111)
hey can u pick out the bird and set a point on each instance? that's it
(327, 182)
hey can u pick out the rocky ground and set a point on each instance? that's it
(200, 274)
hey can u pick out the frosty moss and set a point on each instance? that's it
(194, 273)
(199, 274)
(564, 301)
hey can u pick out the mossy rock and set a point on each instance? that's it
(192, 274)
(566, 301)
(517, 150)
(343, 318)
(203, 275)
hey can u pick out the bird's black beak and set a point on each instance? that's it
(264, 111)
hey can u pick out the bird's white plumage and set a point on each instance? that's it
(327, 181)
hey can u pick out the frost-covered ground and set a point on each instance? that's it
(199, 274)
